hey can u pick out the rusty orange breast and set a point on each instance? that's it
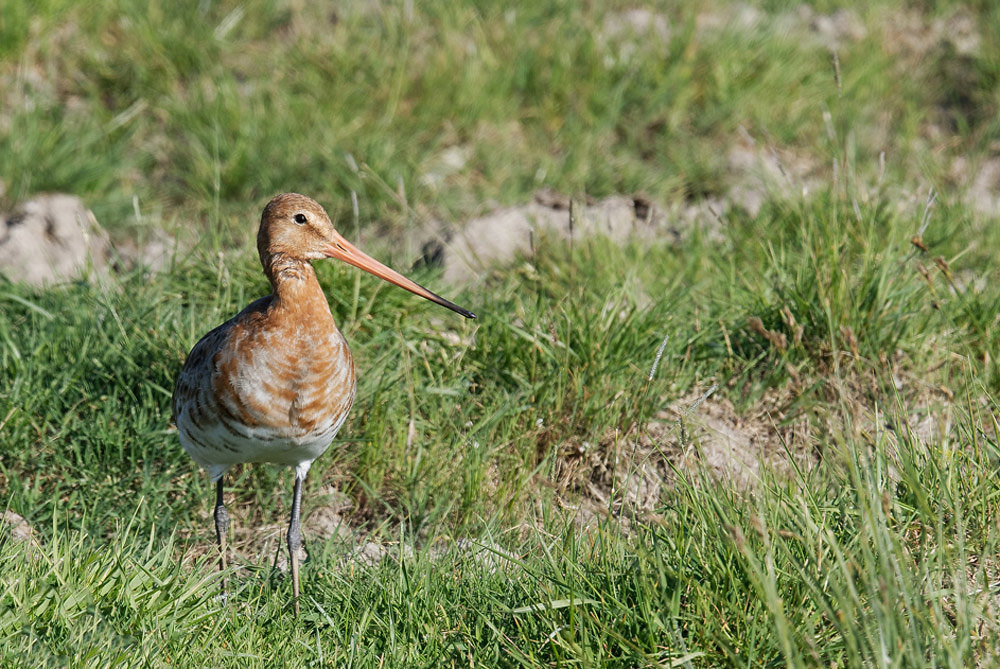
(274, 384)
(288, 366)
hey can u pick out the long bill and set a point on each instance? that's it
(341, 249)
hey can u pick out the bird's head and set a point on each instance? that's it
(297, 227)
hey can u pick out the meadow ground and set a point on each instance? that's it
(769, 439)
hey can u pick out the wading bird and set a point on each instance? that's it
(275, 382)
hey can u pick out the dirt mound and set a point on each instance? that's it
(15, 528)
(51, 238)
(627, 475)
(500, 236)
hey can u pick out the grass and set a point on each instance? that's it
(472, 453)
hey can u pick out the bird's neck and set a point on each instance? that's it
(294, 283)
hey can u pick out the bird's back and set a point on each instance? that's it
(273, 384)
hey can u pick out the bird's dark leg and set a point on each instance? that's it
(295, 541)
(221, 529)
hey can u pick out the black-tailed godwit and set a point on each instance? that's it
(275, 382)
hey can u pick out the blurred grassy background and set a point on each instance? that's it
(861, 363)
(202, 110)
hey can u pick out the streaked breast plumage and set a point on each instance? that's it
(264, 388)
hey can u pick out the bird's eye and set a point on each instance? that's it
(300, 219)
